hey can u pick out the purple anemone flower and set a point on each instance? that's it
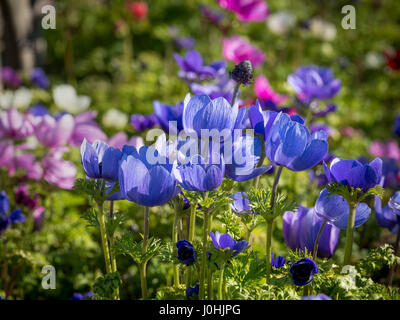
(320, 296)
(80, 296)
(300, 229)
(247, 10)
(146, 177)
(336, 210)
(186, 252)
(10, 78)
(223, 87)
(312, 82)
(53, 132)
(38, 76)
(193, 68)
(303, 271)
(143, 122)
(100, 161)
(289, 143)
(14, 124)
(166, 114)
(355, 174)
(226, 242)
(386, 217)
(197, 176)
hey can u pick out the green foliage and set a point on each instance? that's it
(105, 287)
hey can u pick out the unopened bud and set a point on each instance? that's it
(243, 72)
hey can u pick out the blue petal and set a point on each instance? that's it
(362, 215)
(110, 163)
(17, 216)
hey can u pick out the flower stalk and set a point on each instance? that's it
(221, 282)
(316, 244)
(175, 240)
(204, 256)
(143, 263)
(349, 234)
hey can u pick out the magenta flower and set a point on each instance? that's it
(55, 132)
(264, 91)
(86, 127)
(247, 10)
(388, 149)
(30, 165)
(57, 171)
(237, 49)
(6, 153)
(15, 124)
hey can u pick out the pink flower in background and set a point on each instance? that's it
(388, 149)
(28, 163)
(264, 91)
(57, 171)
(55, 132)
(237, 49)
(247, 10)
(86, 127)
(6, 153)
(121, 138)
(15, 124)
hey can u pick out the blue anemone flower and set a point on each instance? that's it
(394, 203)
(240, 204)
(312, 82)
(193, 68)
(16, 216)
(289, 143)
(145, 177)
(186, 252)
(320, 296)
(336, 209)
(202, 113)
(386, 216)
(166, 113)
(241, 161)
(100, 161)
(225, 241)
(277, 263)
(190, 292)
(302, 271)
(353, 173)
(39, 77)
(197, 176)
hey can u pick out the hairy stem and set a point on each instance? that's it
(143, 264)
(349, 234)
(175, 240)
(221, 283)
(321, 229)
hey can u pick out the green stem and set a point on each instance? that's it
(306, 291)
(221, 282)
(192, 229)
(112, 257)
(349, 234)
(235, 93)
(396, 252)
(143, 264)
(316, 243)
(275, 187)
(204, 256)
(175, 240)
(268, 247)
(210, 285)
(104, 241)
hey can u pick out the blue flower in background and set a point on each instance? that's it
(386, 217)
(312, 82)
(186, 253)
(38, 110)
(145, 177)
(336, 209)
(302, 271)
(38, 76)
(394, 203)
(300, 229)
(222, 87)
(185, 42)
(6, 220)
(320, 296)
(225, 242)
(353, 173)
(166, 113)
(240, 204)
(191, 292)
(278, 263)
(197, 176)
(100, 161)
(241, 162)
(143, 122)
(397, 125)
(289, 143)
(202, 113)
(193, 68)
(80, 296)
